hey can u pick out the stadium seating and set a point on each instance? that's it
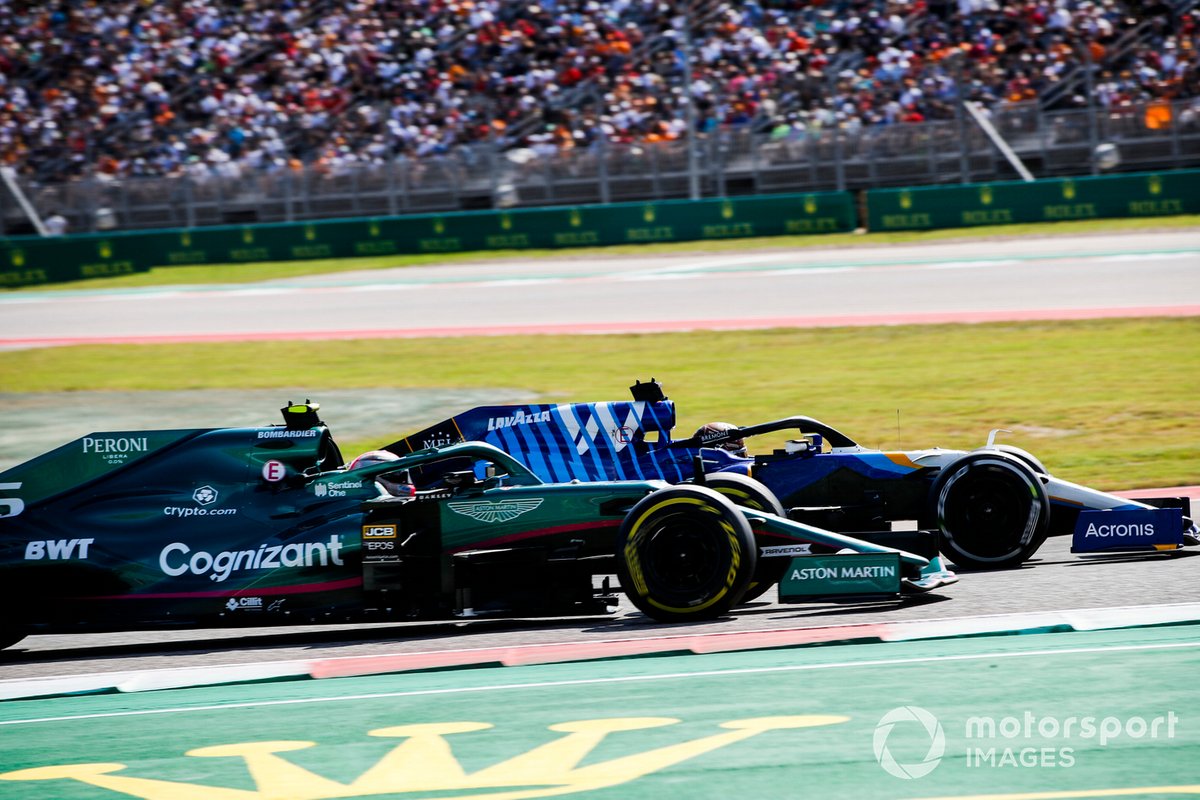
(128, 88)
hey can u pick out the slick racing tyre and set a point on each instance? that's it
(685, 553)
(991, 510)
(749, 493)
(1032, 461)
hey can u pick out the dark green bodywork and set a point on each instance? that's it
(261, 526)
(194, 527)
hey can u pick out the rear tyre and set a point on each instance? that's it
(749, 493)
(991, 510)
(685, 553)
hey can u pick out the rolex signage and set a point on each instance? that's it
(1051, 200)
(32, 260)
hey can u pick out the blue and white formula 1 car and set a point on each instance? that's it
(993, 507)
(239, 526)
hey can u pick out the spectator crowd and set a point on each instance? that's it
(171, 87)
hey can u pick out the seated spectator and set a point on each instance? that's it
(128, 88)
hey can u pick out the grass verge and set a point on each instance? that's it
(1109, 403)
(252, 273)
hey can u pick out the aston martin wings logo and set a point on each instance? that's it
(495, 511)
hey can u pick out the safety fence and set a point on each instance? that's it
(727, 162)
(35, 260)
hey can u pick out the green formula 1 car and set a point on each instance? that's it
(259, 526)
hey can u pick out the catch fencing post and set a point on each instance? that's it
(189, 201)
(602, 164)
(289, 214)
(548, 178)
(1176, 145)
(960, 116)
(690, 108)
(1093, 135)
(405, 200)
(391, 186)
(92, 205)
(308, 190)
(812, 147)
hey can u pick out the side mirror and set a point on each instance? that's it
(460, 480)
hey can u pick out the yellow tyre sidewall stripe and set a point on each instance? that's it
(633, 561)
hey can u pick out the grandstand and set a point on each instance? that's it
(190, 112)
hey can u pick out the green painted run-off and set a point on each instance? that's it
(772, 724)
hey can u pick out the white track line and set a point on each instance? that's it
(888, 662)
(967, 264)
(1155, 614)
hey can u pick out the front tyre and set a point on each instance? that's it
(1030, 460)
(991, 510)
(685, 553)
(749, 493)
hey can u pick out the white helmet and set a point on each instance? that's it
(396, 488)
(712, 429)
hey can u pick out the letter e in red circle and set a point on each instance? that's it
(274, 471)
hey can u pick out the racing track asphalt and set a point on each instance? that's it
(1137, 274)
(1054, 580)
(1005, 279)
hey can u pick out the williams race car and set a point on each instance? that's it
(259, 526)
(992, 507)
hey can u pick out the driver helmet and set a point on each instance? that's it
(392, 487)
(735, 446)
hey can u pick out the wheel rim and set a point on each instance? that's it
(986, 511)
(682, 556)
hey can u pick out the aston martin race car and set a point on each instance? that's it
(992, 507)
(267, 525)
